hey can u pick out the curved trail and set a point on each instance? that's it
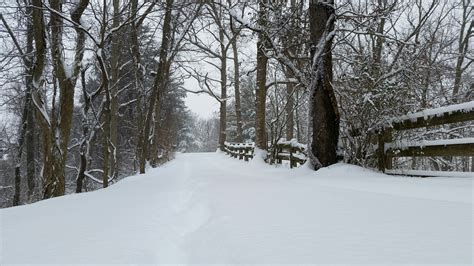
(208, 208)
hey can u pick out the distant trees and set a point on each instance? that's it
(216, 23)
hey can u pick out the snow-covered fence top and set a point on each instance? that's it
(387, 150)
(293, 143)
(438, 116)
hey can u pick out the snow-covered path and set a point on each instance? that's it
(208, 208)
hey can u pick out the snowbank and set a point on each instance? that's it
(208, 208)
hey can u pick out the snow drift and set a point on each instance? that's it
(208, 208)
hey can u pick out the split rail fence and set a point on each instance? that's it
(464, 147)
(291, 151)
(387, 149)
(240, 150)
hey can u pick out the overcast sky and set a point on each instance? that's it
(201, 104)
(205, 105)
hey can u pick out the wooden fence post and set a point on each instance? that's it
(388, 139)
(383, 160)
(278, 151)
(381, 150)
(292, 160)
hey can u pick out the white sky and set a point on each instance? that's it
(205, 105)
(201, 104)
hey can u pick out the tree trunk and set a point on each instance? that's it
(106, 119)
(21, 139)
(238, 108)
(114, 112)
(37, 33)
(289, 108)
(324, 115)
(28, 124)
(156, 92)
(106, 137)
(261, 93)
(138, 83)
(30, 147)
(84, 147)
(379, 41)
(298, 123)
(223, 103)
(463, 46)
(56, 131)
(30, 119)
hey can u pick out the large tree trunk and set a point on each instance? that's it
(106, 124)
(238, 110)
(62, 118)
(156, 93)
(261, 93)
(56, 131)
(138, 75)
(223, 103)
(38, 33)
(323, 110)
(158, 136)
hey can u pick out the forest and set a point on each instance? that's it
(93, 91)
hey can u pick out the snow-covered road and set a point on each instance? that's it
(208, 208)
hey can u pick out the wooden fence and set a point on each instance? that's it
(240, 150)
(291, 151)
(387, 150)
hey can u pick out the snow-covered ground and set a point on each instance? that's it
(208, 208)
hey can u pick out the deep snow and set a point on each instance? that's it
(209, 208)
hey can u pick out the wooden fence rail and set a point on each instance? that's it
(387, 150)
(291, 151)
(240, 150)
